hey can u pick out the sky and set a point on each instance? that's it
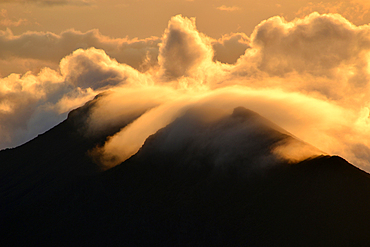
(301, 64)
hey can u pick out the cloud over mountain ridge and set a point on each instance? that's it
(290, 73)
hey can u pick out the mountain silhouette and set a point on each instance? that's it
(52, 160)
(203, 180)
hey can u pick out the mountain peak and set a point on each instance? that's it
(243, 113)
(195, 182)
(242, 138)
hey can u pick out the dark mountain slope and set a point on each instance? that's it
(197, 183)
(50, 161)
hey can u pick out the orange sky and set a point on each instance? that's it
(144, 18)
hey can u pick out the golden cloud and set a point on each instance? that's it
(309, 76)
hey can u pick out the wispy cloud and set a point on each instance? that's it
(353, 10)
(228, 8)
(7, 22)
(11, 23)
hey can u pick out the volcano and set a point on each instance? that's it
(200, 181)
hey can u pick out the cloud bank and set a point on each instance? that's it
(32, 51)
(31, 104)
(309, 76)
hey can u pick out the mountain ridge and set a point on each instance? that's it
(178, 189)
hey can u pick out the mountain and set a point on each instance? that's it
(203, 180)
(52, 160)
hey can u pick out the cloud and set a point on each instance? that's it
(239, 138)
(309, 76)
(32, 51)
(227, 8)
(288, 75)
(184, 50)
(47, 49)
(93, 69)
(19, 98)
(159, 111)
(31, 104)
(276, 105)
(353, 10)
(320, 53)
(316, 44)
(7, 22)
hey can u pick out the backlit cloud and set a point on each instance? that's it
(184, 51)
(321, 53)
(353, 10)
(47, 49)
(32, 51)
(31, 104)
(310, 76)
